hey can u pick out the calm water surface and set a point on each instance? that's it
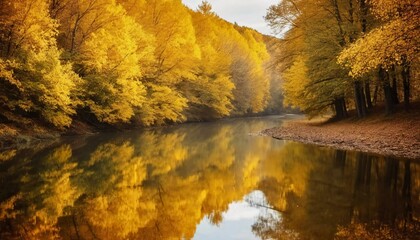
(200, 181)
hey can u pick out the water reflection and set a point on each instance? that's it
(161, 183)
(324, 188)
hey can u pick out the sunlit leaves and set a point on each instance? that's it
(26, 25)
(296, 79)
(53, 83)
(176, 50)
(164, 104)
(6, 73)
(212, 86)
(308, 51)
(248, 72)
(111, 53)
(32, 68)
(396, 38)
(114, 62)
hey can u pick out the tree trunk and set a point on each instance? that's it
(339, 110)
(368, 96)
(359, 99)
(406, 83)
(10, 42)
(387, 91)
(343, 104)
(394, 88)
(337, 16)
(363, 98)
(375, 93)
(363, 14)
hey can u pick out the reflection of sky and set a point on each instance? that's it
(237, 221)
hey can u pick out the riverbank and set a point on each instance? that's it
(397, 135)
(24, 133)
(30, 136)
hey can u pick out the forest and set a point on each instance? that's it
(147, 62)
(134, 62)
(347, 54)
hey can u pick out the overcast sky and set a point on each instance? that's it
(245, 12)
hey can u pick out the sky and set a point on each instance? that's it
(248, 13)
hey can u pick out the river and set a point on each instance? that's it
(213, 180)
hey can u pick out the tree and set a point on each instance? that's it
(175, 57)
(248, 72)
(33, 78)
(116, 62)
(205, 8)
(210, 92)
(314, 82)
(393, 42)
(113, 52)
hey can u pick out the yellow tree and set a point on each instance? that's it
(246, 67)
(394, 42)
(316, 33)
(112, 51)
(33, 78)
(210, 92)
(295, 82)
(257, 56)
(175, 57)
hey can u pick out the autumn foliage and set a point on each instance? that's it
(347, 54)
(125, 61)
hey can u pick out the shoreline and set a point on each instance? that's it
(393, 137)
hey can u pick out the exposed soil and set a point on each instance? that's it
(24, 133)
(397, 135)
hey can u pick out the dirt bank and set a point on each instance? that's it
(29, 133)
(397, 136)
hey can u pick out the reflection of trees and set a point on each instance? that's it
(334, 189)
(378, 179)
(111, 179)
(159, 184)
(161, 152)
(45, 193)
(268, 227)
(384, 200)
(359, 231)
(155, 185)
(210, 178)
